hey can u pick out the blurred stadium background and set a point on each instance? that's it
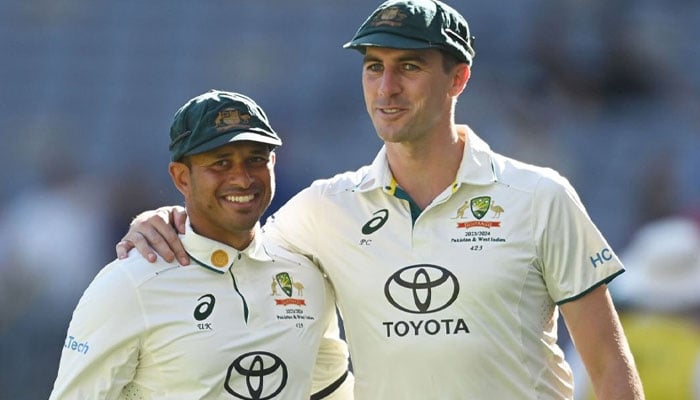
(605, 91)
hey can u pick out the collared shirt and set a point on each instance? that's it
(459, 300)
(235, 324)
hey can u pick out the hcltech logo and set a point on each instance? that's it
(258, 375)
(423, 289)
(74, 344)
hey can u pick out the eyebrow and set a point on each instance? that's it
(408, 57)
(262, 149)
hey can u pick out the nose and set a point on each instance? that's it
(389, 84)
(240, 176)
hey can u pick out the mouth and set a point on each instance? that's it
(390, 110)
(240, 199)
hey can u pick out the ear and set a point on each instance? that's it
(180, 174)
(460, 77)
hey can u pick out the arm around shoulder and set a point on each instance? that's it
(156, 232)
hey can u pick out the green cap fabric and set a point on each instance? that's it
(215, 118)
(416, 24)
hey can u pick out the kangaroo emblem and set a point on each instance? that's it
(497, 210)
(273, 286)
(461, 210)
(299, 287)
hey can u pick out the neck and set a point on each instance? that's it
(238, 239)
(424, 170)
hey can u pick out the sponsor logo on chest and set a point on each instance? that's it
(423, 290)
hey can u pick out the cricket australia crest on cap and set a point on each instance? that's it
(216, 118)
(391, 16)
(416, 24)
(230, 118)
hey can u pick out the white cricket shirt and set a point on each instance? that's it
(460, 300)
(232, 325)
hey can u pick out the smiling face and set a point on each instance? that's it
(227, 190)
(409, 93)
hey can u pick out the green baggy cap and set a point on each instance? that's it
(416, 24)
(215, 118)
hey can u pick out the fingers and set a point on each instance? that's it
(156, 235)
(123, 248)
(179, 219)
(152, 234)
(166, 240)
(140, 240)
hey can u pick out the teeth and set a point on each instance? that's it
(391, 110)
(240, 199)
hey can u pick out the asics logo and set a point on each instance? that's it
(377, 222)
(205, 307)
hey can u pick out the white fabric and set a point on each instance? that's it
(163, 331)
(461, 302)
(663, 263)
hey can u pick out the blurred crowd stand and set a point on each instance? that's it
(605, 91)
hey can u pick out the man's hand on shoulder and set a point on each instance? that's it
(156, 231)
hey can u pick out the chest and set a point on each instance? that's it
(225, 330)
(481, 240)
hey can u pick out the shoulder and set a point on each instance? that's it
(133, 271)
(281, 256)
(321, 194)
(530, 178)
(117, 287)
(340, 183)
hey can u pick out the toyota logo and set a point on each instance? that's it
(421, 289)
(265, 376)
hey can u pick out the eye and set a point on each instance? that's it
(258, 161)
(410, 67)
(221, 164)
(374, 67)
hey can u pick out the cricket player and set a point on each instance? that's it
(450, 262)
(248, 321)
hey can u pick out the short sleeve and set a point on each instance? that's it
(331, 378)
(100, 352)
(574, 256)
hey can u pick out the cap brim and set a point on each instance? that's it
(384, 39)
(234, 136)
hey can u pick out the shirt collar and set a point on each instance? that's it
(217, 256)
(477, 166)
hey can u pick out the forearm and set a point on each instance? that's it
(617, 381)
(600, 341)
